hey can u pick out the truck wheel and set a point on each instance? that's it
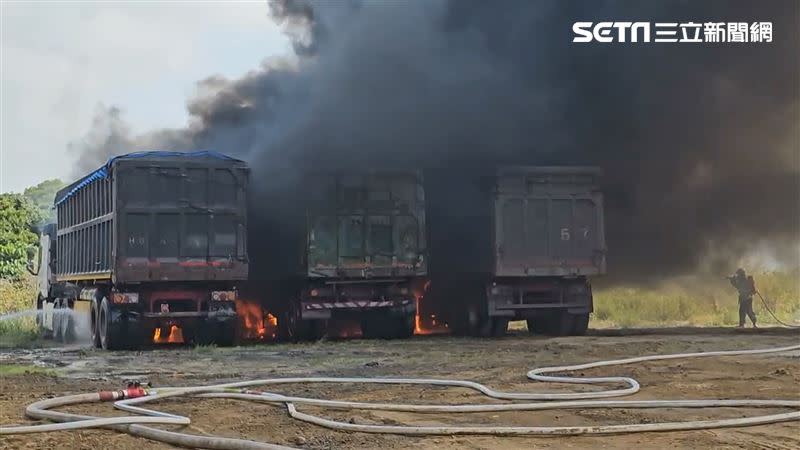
(105, 327)
(540, 325)
(374, 328)
(479, 324)
(499, 326)
(566, 324)
(228, 335)
(297, 329)
(580, 323)
(94, 324)
(563, 324)
(386, 326)
(292, 323)
(406, 325)
(221, 334)
(313, 330)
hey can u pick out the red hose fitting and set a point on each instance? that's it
(106, 396)
(134, 392)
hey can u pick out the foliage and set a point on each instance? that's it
(695, 301)
(42, 196)
(17, 217)
(17, 295)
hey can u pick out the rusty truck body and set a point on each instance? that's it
(363, 252)
(523, 247)
(149, 243)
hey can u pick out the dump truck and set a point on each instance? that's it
(518, 243)
(362, 252)
(147, 248)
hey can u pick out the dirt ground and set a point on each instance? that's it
(500, 363)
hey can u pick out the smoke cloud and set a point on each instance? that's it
(700, 143)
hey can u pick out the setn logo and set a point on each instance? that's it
(690, 32)
(605, 31)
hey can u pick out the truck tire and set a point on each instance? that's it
(406, 325)
(563, 324)
(580, 323)
(227, 335)
(499, 326)
(106, 328)
(93, 324)
(478, 322)
(567, 324)
(540, 325)
(297, 329)
(376, 328)
(386, 326)
(221, 334)
(553, 323)
(313, 330)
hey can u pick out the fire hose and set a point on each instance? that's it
(771, 313)
(136, 425)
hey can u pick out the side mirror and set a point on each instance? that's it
(33, 253)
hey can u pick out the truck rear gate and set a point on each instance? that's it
(548, 222)
(548, 237)
(149, 239)
(516, 243)
(365, 251)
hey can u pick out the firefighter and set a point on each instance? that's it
(747, 288)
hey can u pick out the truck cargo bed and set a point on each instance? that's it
(146, 217)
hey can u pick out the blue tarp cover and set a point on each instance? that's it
(105, 169)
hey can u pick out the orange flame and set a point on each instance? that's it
(255, 324)
(175, 336)
(429, 324)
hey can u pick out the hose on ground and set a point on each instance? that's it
(134, 424)
(772, 313)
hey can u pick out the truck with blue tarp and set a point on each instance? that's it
(150, 247)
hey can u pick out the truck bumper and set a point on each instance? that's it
(525, 298)
(130, 324)
(322, 309)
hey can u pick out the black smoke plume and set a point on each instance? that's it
(699, 142)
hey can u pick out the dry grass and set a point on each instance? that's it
(694, 301)
(17, 296)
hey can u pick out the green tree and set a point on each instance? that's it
(17, 217)
(42, 196)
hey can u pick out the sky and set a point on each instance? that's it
(61, 61)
